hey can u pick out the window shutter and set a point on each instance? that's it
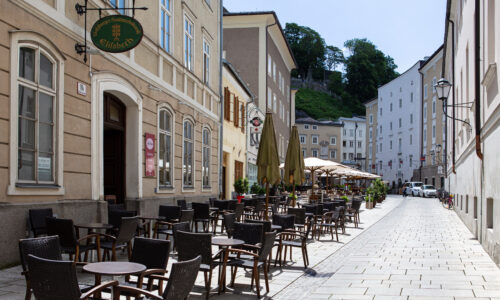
(243, 118)
(236, 111)
(227, 104)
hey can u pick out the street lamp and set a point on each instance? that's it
(443, 88)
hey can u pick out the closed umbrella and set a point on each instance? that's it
(294, 162)
(268, 161)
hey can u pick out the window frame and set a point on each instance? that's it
(312, 139)
(305, 139)
(334, 139)
(170, 14)
(206, 61)
(208, 147)
(188, 64)
(192, 187)
(29, 39)
(166, 188)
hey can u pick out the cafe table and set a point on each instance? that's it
(113, 268)
(93, 228)
(224, 243)
(150, 220)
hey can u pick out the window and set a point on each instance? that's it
(351, 156)
(351, 144)
(400, 122)
(380, 129)
(381, 111)
(274, 71)
(344, 156)
(425, 112)
(371, 119)
(345, 132)
(411, 139)
(302, 138)
(344, 143)
(390, 107)
(390, 145)
(303, 152)
(411, 160)
(333, 140)
(411, 96)
(119, 4)
(205, 171)
(411, 118)
(188, 43)
(333, 154)
(400, 145)
(425, 91)
(359, 144)
(165, 16)
(351, 132)
(206, 62)
(269, 98)
(370, 133)
(36, 115)
(315, 152)
(165, 149)
(275, 103)
(360, 133)
(306, 126)
(433, 106)
(390, 125)
(269, 64)
(315, 127)
(188, 155)
(400, 103)
(279, 80)
(434, 82)
(433, 131)
(314, 139)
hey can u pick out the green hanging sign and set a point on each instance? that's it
(116, 33)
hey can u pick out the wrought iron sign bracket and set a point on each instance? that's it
(83, 9)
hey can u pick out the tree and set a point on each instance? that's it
(335, 83)
(334, 57)
(366, 69)
(307, 46)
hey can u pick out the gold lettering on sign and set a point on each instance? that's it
(115, 31)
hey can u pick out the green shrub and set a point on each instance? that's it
(257, 189)
(241, 186)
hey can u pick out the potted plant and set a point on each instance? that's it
(370, 194)
(345, 198)
(241, 187)
(257, 189)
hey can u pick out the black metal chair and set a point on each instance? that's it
(256, 262)
(122, 240)
(179, 284)
(43, 247)
(152, 253)
(37, 220)
(190, 245)
(70, 244)
(201, 214)
(56, 280)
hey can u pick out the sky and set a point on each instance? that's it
(406, 30)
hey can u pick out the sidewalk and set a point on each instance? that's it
(12, 284)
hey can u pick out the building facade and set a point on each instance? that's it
(431, 170)
(320, 139)
(236, 99)
(471, 58)
(353, 141)
(371, 136)
(398, 121)
(142, 126)
(256, 46)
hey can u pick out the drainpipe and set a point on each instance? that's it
(477, 90)
(422, 125)
(221, 142)
(453, 97)
(252, 100)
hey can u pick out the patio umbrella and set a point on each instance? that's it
(294, 162)
(314, 164)
(268, 161)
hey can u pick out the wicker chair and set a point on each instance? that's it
(353, 212)
(115, 218)
(182, 204)
(238, 211)
(285, 221)
(300, 217)
(170, 214)
(68, 240)
(179, 285)
(43, 247)
(293, 239)
(229, 220)
(201, 214)
(37, 220)
(122, 240)
(154, 255)
(256, 262)
(190, 245)
(181, 226)
(251, 234)
(56, 280)
(330, 222)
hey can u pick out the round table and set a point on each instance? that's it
(225, 243)
(112, 268)
(94, 226)
(275, 227)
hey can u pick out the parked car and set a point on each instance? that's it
(414, 187)
(427, 191)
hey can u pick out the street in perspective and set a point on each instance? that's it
(225, 149)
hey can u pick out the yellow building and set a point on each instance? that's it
(237, 96)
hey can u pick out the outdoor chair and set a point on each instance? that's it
(229, 220)
(256, 262)
(70, 244)
(187, 215)
(341, 217)
(115, 218)
(352, 213)
(238, 211)
(37, 220)
(170, 214)
(201, 214)
(181, 226)
(285, 221)
(293, 239)
(182, 203)
(122, 240)
(154, 255)
(300, 217)
(190, 245)
(43, 247)
(251, 234)
(179, 284)
(56, 280)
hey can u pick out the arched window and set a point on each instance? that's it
(205, 172)
(188, 155)
(165, 161)
(36, 88)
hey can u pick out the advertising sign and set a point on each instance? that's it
(150, 155)
(116, 33)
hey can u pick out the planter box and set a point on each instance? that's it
(369, 205)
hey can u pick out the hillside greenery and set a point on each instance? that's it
(320, 106)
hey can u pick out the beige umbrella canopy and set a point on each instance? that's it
(268, 161)
(294, 162)
(314, 164)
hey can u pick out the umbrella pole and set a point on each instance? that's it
(312, 186)
(267, 201)
(293, 193)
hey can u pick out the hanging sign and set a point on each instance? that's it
(150, 155)
(116, 33)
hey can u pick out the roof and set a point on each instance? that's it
(400, 75)
(431, 57)
(371, 100)
(255, 13)
(238, 78)
(312, 121)
(354, 119)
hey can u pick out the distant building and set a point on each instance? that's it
(371, 136)
(255, 44)
(353, 141)
(320, 139)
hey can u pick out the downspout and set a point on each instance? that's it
(221, 125)
(477, 90)
(421, 124)
(453, 97)
(247, 111)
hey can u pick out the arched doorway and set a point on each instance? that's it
(114, 147)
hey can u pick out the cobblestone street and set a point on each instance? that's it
(418, 251)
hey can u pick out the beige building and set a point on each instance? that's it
(431, 170)
(236, 99)
(256, 46)
(320, 139)
(73, 132)
(471, 57)
(371, 136)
